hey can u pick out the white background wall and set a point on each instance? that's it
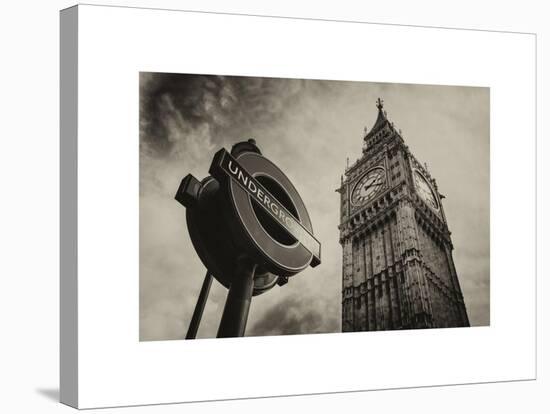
(29, 213)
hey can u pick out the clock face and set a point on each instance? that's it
(425, 190)
(368, 186)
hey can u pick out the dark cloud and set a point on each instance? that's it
(293, 316)
(168, 98)
(221, 104)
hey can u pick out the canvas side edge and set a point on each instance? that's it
(68, 283)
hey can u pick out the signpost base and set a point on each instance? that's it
(237, 304)
(199, 307)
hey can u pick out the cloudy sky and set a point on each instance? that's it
(308, 128)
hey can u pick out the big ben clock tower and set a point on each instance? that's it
(397, 269)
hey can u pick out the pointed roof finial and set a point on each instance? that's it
(379, 104)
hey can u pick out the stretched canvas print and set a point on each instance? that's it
(394, 179)
(256, 206)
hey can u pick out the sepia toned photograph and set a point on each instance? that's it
(273, 206)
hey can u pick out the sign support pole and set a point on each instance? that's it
(237, 304)
(199, 307)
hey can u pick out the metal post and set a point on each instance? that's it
(199, 307)
(237, 304)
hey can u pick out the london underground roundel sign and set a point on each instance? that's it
(267, 210)
(248, 207)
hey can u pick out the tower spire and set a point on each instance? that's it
(380, 104)
(381, 119)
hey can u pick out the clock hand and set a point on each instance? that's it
(369, 182)
(368, 194)
(379, 182)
